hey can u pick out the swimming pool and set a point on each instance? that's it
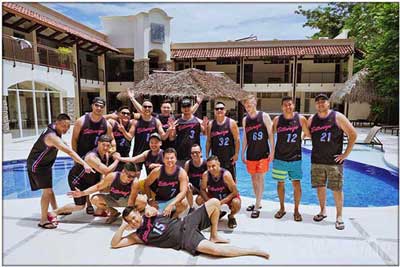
(364, 185)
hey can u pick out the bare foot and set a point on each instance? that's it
(218, 239)
(263, 254)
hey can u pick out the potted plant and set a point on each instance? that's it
(64, 53)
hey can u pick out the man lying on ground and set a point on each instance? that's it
(156, 230)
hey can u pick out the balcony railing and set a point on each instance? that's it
(120, 76)
(47, 56)
(286, 77)
(91, 73)
(12, 50)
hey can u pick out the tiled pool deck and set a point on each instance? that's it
(370, 237)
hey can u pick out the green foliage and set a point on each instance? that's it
(64, 53)
(375, 29)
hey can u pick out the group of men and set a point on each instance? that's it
(169, 148)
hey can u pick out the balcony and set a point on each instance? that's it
(120, 76)
(45, 56)
(91, 73)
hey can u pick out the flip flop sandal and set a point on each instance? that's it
(232, 223)
(52, 219)
(103, 214)
(319, 217)
(251, 207)
(255, 214)
(113, 218)
(65, 213)
(339, 225)
(47, 225)
(279, 214)
(298, 217)
(90, 210)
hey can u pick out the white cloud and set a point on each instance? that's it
(209, 21)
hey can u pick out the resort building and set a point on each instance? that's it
(53, 64)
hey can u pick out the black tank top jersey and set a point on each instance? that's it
(288, 144)
(150, 158)
(216, 186)
(195, 173)
(222, 142)
(164, 121)
(90, 133)
(327, 139)
(123, 144)
(142, 134)
(187, 134)
(79, 176)
(42, 157)
(167, 185)
(118, 189)
(257, 138)
(161, 231)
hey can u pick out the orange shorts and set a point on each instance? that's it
(257, 166)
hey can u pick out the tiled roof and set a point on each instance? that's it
(262, 51)
(53, 24)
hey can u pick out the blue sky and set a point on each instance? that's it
(201, 22)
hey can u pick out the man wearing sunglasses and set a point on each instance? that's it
(88, 129)
(121, 185)
(223, 139)
(122, 129)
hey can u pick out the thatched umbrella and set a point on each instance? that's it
(188, 82)
(357, 89)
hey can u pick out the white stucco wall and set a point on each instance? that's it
(23, 72)
(134, 32)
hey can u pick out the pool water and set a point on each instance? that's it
(364, 185)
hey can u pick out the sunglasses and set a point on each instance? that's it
(126, 113)
(147, 106)
(131, 176)
(195, 152)
(222, 108)
(99, 105)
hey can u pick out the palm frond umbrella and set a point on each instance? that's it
(188, 82)
(357, 89)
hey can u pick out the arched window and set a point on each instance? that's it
(31, 107)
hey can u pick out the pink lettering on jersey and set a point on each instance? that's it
(171, 183)
(218, 133)
(143, 130)
(255, 127)
(287, 129)
(186, 126)
(320, 128)
(119, 192)
(216, 189)
(91, 131)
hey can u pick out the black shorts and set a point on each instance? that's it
(40, 179)
(231, 168)
(192, 226)
(81, 186)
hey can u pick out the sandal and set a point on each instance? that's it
(113, 218)
(297, 217)
(48, 225)
(90, 210)
(232, 222)
(339, 225)
(103, 214)
(255, 214)
(251, 207)
(52, 219)
(279, 214)
(319, 217)
(65, 213)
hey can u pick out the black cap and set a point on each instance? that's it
(155, 135)
(186, 102)
(321, 96)
(99, 100)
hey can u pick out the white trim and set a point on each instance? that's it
(61, 104)
(48, 107)
(19, 114)
(35, 108)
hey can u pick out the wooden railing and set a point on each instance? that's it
(46, 56)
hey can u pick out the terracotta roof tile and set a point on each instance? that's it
(51, 23)
(262, 51)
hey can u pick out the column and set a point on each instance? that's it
(69, 107)
(140, 69)
(167, 65)
(6, 121)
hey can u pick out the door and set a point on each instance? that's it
(299, 67)
(248, 73)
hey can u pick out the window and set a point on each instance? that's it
(89, 58)
(227, 61)
(322, 59)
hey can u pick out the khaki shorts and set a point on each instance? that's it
(321, 174)
(112, 202)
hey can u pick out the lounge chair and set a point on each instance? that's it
(371, 138)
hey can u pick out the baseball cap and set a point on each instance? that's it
(186, 102)
(321, 96)
(155, 135)
(99, 100)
